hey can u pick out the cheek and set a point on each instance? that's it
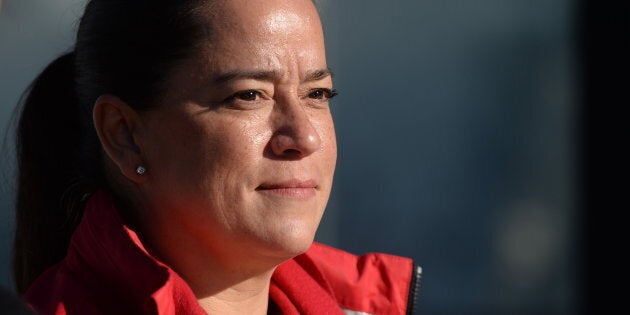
(178, 147)
(326, 130)
(217, 152)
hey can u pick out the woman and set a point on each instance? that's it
(197, 155)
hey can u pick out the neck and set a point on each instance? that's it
(224, 280)
(248, 297)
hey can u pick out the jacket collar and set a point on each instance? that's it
(117, 257)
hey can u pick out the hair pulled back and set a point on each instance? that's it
(123, 47)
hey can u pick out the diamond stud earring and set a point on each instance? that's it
(140, 170)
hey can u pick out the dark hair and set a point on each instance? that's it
(123, 47)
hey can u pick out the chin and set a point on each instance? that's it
(290, 243)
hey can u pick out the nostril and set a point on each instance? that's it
(291, 153)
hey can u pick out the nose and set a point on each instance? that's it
(294, 137)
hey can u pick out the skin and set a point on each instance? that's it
(240, 157)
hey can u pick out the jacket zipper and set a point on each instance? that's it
(416, 274)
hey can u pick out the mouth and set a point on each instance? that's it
(298, 189)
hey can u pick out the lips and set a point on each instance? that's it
(293, 188)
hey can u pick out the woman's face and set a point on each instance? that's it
(241, 155)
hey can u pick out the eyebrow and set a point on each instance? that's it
(224, 78)
(317, 75)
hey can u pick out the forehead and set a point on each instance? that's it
(245, 19)
(262, 29)
(283, 37)
(263, 16)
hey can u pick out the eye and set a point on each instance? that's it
(248, 96)
(246, 99)
(322, 94)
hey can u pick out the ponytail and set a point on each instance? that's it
(60, 159)
(48, 143)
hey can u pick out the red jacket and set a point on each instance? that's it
(108, 271)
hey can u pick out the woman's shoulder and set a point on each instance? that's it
(59, 291)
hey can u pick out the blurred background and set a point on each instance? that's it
(458, 131)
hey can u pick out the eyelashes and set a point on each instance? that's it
(322, 94)
(247, 96)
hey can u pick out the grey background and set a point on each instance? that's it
(456, 129)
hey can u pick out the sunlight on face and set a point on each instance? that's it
(244, 150)
(284, 21)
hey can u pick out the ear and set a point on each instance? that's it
(117, 125)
